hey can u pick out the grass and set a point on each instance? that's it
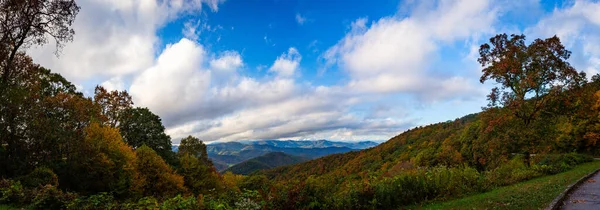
(533, 194)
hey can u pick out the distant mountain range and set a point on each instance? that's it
(227, 154)
(266, 161)
(315, 144)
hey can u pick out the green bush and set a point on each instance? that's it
(49, 197)
(41, 176)
(99, 201)
(179, 202)
(11, 192)
(511, 172)
(145, 203)
(426, 184)
(556, 163)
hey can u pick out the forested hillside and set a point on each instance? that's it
(267, 161)
(231, 153)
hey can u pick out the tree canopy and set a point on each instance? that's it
(139, 126)
(528, 75)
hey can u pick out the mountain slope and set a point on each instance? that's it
(267, 161)
(229, 156)
(429, 145)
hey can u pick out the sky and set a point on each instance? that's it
(346, 70)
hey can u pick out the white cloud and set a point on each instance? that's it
(287, 64)
(300, 19)
(115, 37)
(229, 61)
(175, 82)
(182, 87)
(578, 27)
(115, 83)
(191, 31)
(316, 113)
(394, 54)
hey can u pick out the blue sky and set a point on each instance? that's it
(306, 69)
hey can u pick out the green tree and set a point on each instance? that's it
(198, 171)
(196, 148)
(139, 126)
(199, 177)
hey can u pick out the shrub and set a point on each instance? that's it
(149, 203)
(41, 176)
(93, 202)
(556, 163)
(11, 192)
(455, 181)
(49, 197)
(179, 202)
(511, 172)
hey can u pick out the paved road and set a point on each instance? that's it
(586, 196)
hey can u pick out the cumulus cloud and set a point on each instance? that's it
(578, 27)
(175, 82)
(114, 84)
(393, 54)
(315, 113)
(182, 88)
(287, 64)
(229, 61)
(115, 38)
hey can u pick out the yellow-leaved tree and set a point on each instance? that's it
(105, 163)
(156, 177)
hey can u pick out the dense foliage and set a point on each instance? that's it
(62, 150)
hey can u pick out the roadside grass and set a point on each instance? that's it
(533, 194)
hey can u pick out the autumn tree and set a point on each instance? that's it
(24, 23)
(104, 163)
(139, 126)
(113, 104)
(43, 118)
(157, 178)
(528, 77)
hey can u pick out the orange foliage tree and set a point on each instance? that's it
(156, 177)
